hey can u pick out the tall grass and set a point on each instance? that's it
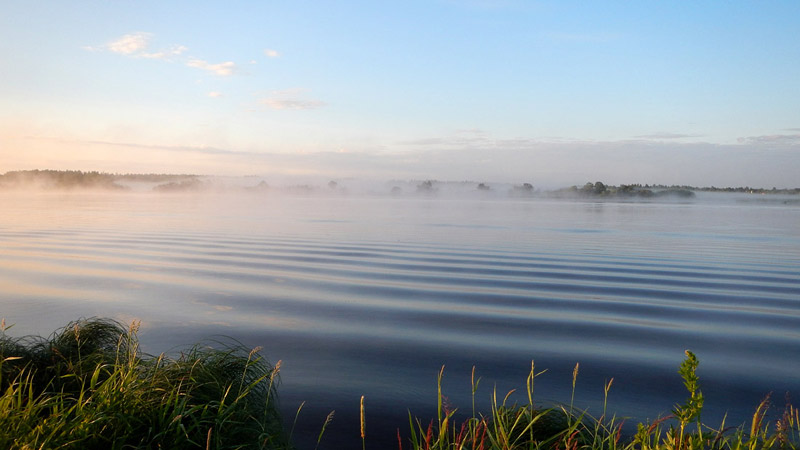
(88, 386)
(512, 426)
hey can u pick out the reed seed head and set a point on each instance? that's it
(363, 422)
(575, 374)
(134, 327)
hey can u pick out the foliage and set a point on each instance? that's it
(60, 179)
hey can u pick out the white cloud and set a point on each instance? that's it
(215, 94)
(272, 53)
(130, 44)
(175, 50)
(222, 69)
(135, 45)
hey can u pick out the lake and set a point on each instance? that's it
(372, 295)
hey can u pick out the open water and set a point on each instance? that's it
(361, 295)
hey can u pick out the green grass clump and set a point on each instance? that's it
(88, 386)
(510, 426)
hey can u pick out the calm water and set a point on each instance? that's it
(371, 296)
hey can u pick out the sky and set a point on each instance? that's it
(553, 93)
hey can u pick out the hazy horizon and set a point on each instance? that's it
(550, 93)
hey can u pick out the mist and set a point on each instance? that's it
(319, 186)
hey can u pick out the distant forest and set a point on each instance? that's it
(658, 190)
(76, 179)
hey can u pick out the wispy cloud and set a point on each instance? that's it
(222, 69)
(215, 94)
(425, 141)
(270, 53)
(291, 99)
(175, 50)
(666, 135)
(138, 45)
(542, 163)
(782, 139)
(206, 150)
(468, 138)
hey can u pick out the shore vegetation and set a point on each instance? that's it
(88, 386)
(512, 426)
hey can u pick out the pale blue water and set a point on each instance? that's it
(371, 296)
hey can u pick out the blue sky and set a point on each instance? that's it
(551, 92)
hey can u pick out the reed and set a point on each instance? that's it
(512, 426)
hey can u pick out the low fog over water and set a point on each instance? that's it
(70, 181)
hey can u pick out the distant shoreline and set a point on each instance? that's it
(46, 179)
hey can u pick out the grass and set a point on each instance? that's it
(510, 426)
(88, 386)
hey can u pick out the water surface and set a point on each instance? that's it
(370, 296)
